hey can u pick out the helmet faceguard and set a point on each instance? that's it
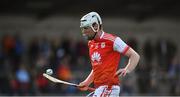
(89, 19)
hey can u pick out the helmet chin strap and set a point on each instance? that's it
(96, 31)
(94, 35)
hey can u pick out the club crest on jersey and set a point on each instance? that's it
(96, 57)
(103, 45)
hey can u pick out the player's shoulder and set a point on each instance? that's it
(108, 36)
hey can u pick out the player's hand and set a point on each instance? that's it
(83, 86)
(122, 72)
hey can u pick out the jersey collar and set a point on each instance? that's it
(99, 37)
(102, 35)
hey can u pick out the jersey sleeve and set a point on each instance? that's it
(120, 46)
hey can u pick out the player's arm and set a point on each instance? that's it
(133, 56)
(84, 85)
(133, 59)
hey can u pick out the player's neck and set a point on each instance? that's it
(98, 35)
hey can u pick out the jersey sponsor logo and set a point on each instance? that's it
(96, 57)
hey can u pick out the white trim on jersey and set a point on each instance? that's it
(119, 45)
(102, 35)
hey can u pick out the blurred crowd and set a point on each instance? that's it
(22, 64)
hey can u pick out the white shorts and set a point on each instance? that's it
(103, 91)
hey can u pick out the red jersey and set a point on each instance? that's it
(105, 53)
